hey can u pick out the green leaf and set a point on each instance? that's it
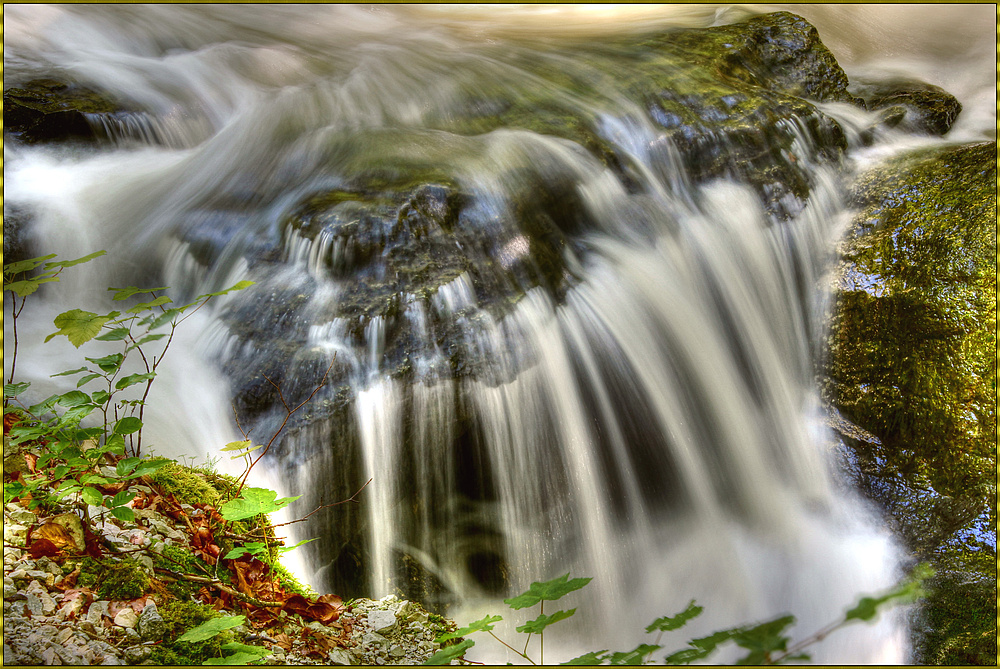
(109, 363)
(238, 552)
(242, 654)
(15, 389)
(541, 622)
(87, 479)
(115, 444)
(237, 659)
(117, 334)
(243, 648)
(632, 657)
(236, 286)
(211, 628)
(92, 496)
(668, 623)
(59, 472)
(253, 502)
(133, 379)
(27, 286)
(147, 467)
(127, 425)
(123, 497)
(73, 398)
(908, 591)
(446, 655)
(125, 293)
(79, 326)
(236, 445)
(10, 269)
(69, 373)
(78, 261)
(285, 549)
(595, 657)
(127, 465)
(146, 306)
(166, 317)
(149, 338)
(87, 379)
(100, 397)
(123, 513)
(484, 625)
(762, 639)
(547, 591)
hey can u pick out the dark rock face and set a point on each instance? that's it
(46, 110)
(913, 106)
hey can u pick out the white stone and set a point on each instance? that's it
(381, 621)
(126, 618)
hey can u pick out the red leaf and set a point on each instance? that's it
(43, 547)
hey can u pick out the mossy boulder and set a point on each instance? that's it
(46, 110)
(912, 362)
(912, 349)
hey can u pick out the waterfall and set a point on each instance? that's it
(547, 355)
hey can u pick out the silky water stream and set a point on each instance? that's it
(542, 364)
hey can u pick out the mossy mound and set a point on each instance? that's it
(193, 486)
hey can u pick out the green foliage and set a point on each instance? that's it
(69, 456)
(765, 643)
(254, 502)
(546, 591)
(179, 617)
(211, 628)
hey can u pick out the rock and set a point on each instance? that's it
(381, 621)
(15, 534)
(340, 656)
(97, 611)
(23, 517)
(396, 651)
(908, 351)
(126, 618)
(46, 110)
(151, 625)
(136, 654)
(44, 564)
(910, 105)
(49, 656)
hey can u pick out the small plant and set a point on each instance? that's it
(69, 457)
(765, 643)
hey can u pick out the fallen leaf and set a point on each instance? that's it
(43, 548)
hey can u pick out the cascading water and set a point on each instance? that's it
(545, 357)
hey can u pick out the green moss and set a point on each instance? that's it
(913, 351)
(193, 486)
(179, 617)
(124, 580)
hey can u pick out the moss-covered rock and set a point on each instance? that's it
(913, 363)
(913, 344)
(48, 110)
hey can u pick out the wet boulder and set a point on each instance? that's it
(909, 105)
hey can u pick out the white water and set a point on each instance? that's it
(658, 430)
